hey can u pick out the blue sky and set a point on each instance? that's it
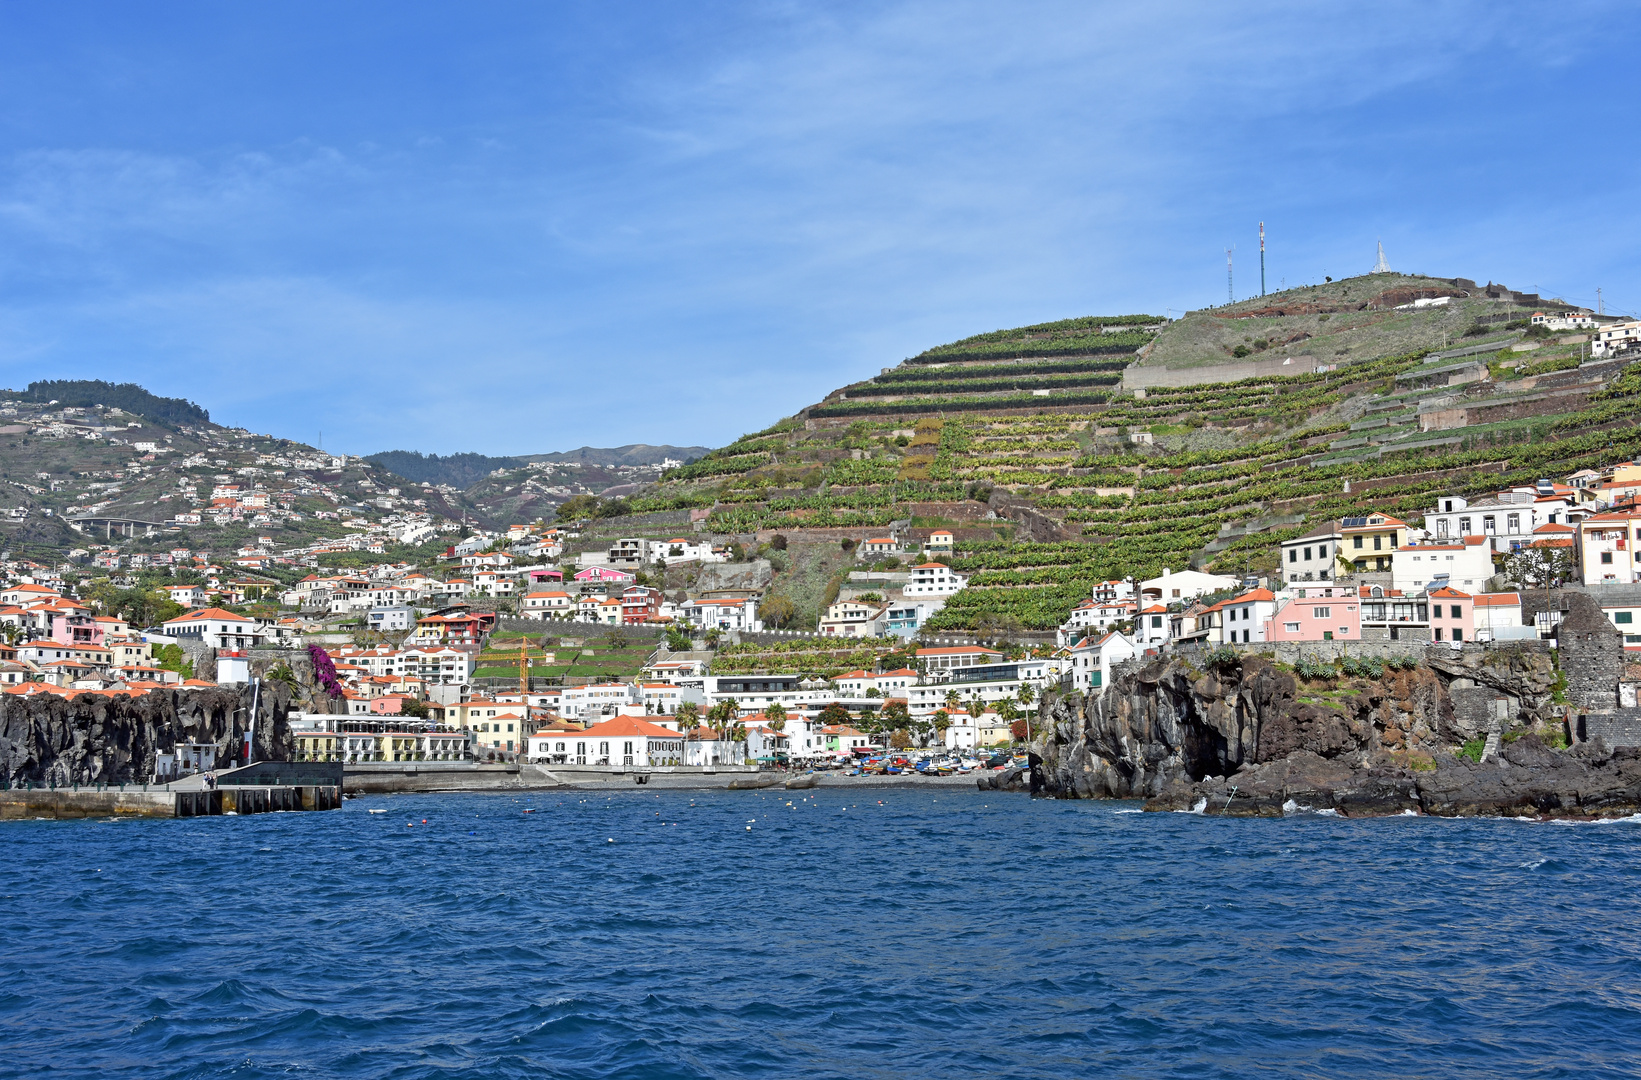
(523, 227)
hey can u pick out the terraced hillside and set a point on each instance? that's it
(1058, 477)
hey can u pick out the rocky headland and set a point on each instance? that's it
(102, 738)
(1508, 730)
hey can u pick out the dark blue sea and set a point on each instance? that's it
(816, 934)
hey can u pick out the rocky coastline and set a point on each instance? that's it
(1511, 730)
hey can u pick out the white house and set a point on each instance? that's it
(1185, 585)
(1152, 627)
(1563, 320)
(682, 550)
(1243, 619)
(1092, 659)
(1615, 338)
(852, 618)
(947, 657)
(1466, 562)
(216, 628)
(1314, 556)
(546, 604)
(933, 579)
(629, 741)
(728, 614)
(1609, 548)
(438, 664)
(855, 684)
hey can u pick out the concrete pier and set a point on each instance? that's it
(265, 787)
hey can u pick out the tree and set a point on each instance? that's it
(954, 700)
(282, 673)
(413, 707)
(834, 714)
(714, 636)
(1026, 694)
(778, 541)
(873, 692)
(777, 611)
(940, 722)
(615, 639)
(722, 716)
(678, 638)
(689, 716)
(577, 507)
(1539, 567)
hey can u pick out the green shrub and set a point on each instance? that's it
(1471, 751)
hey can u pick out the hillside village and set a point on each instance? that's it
(913, 561)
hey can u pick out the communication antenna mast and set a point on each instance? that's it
(1261, 258)
(1600, 309)
(1382, 267)
(1230, 292)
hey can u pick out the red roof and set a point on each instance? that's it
(1498, 599)
(624, 726)
(210, 614)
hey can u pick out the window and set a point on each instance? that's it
(1291, 627)
(1293, 554)
(1458, 635)
(1307, 554)
(1322, 552)
(1356, 541)
(1464, 526)
(1441, 527)
(1323, 613)
(1513, 523)
(1438, 632)
(1607, 558)
(1489, 524)
(1377, 542)
(1455, 609)
(1623, 616)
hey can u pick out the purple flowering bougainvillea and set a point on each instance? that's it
(325, 671)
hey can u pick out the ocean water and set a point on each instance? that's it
(883, 934)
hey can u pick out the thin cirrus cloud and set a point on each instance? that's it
(575, 224)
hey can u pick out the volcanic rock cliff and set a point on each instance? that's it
(1243, 734)
(97, 738)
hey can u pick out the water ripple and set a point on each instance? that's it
(951, 935)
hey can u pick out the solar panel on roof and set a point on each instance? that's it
(1355, 521)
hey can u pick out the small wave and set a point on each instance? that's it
(1128, 811)
(1631, 819)
(1199, 807)
(1535, 864)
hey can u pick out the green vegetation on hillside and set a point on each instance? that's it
(84, 393)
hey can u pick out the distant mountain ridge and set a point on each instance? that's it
(631, 454)
(465, 470)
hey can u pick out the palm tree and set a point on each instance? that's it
(940, 722)
(689, 715)
(954, 700)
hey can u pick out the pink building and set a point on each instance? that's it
(542, 577)
(1324, 613)
(604, 573)
(1452, 615)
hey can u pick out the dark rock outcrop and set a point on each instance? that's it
(1249, 736)
(95, 738)
(1527, 779)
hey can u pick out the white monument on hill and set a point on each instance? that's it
(1381, 267)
